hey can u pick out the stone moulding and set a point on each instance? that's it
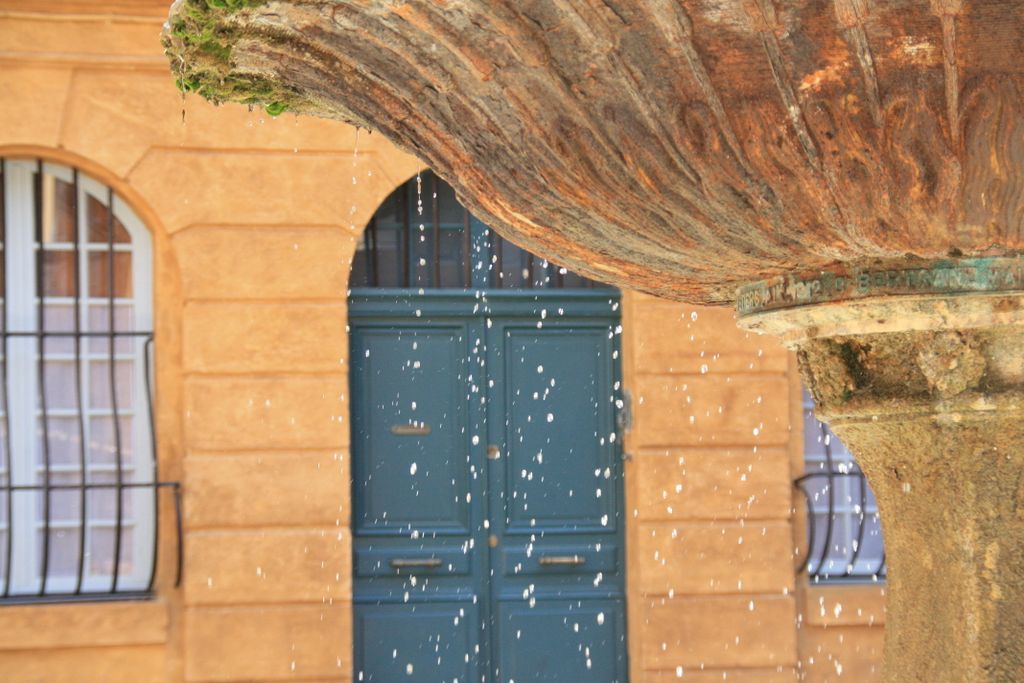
(899, 278)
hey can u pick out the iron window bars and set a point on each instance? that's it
(79, 488)
(422, 237)
(844, 536)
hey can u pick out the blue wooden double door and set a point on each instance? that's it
(487, 488)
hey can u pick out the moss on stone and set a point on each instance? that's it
(200, 38)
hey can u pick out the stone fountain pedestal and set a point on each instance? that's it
(919, 368)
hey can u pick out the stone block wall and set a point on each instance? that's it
(841, 633)
(709, 496)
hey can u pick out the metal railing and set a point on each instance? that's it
(24, 518)
(822, 554)
(47, 489)
(844, 535)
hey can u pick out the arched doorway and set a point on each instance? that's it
(487, 488)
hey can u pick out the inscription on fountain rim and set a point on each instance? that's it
(951, 276)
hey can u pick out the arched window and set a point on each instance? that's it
(422, 237)
(77, 499)
(844, 530)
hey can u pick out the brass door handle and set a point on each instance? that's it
(406, 562)
(562, 560)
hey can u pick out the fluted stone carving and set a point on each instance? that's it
(678, 147)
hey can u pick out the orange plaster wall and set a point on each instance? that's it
(708, 497)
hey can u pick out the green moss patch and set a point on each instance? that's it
(199, 39)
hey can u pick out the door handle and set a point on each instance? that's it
(407, 562)
(410, 429)
(572, 560)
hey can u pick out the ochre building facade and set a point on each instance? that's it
(254, 222)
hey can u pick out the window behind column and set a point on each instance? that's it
(844, 539)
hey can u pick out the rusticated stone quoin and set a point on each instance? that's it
(927, 389)
(682, 148)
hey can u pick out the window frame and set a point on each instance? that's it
(23, 198)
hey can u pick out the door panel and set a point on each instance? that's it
(377, 561)
(558, 399)
(487, 486)
(560, 641)
(558, 557)
(529, 561)
(428, 642)
(417, 582)
(410, 422)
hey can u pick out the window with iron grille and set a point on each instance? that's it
(78, 479)
(423, 237)
(844, 532)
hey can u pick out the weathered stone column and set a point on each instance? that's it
(919, 369)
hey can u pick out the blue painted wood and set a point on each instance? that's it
(416, 471)
(555, 496)
(561, 641)
(436, 379)
(412, 382)
(418, 642)
(395, 304)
